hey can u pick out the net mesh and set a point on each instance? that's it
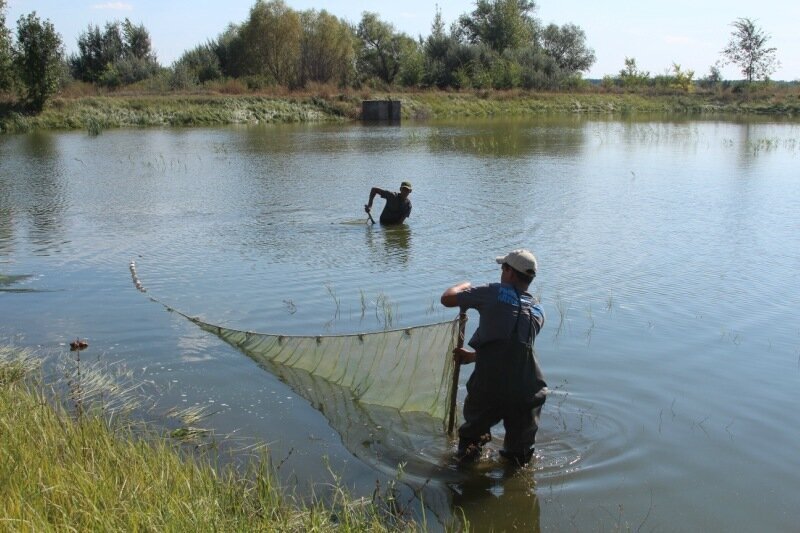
(408, 369)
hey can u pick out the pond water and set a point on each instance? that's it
(669, 272)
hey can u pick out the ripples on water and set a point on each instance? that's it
(669, 257)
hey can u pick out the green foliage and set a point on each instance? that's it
(539, 70)
(38, 59)
(567, 46)
(506, 74)
(500, 24)
(748, 50)
(229, 49)
(6, 71)
(382, 48)
(631, 76)
(412, 65)
(449, 62)
(196, 67)
(327, 49)
(678, 79)
(119, 55)
(271, 39)
(713, 79)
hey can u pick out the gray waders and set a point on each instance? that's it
(507, 384)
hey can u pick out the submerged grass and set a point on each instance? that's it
(65, 472)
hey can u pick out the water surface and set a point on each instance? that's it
(669, 256)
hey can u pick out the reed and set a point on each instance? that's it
(336, 300)
(385, 311)
(562, 308)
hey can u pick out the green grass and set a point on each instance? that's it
(99, 112)
(68, 469)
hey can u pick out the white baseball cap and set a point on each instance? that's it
(520, 260)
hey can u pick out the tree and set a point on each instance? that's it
(381, 48)
(38, 57)
(447, 60)
(196, 66)
(229, 48)
(713, 78)
(501, 24)
(6, 76)
(271, 38)
(567, 46)
(631, 76)
(327, 49)
(749, 51)
(120, 54)
(412, 62)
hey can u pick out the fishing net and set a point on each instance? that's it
(409, 370)
(406, 369)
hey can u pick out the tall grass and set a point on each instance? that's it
(93, 473)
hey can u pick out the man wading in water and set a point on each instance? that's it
(398, 206)
(507, 383)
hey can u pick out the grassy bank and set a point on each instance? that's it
(97, 113)
(69, 470)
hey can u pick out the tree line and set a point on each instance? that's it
(498, 45)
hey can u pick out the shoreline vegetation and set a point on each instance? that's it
(95, 113)
(76, 460)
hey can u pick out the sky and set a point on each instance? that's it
(656, 34)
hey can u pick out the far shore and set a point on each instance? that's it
(97, 113)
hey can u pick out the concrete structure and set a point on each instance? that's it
(380, 111)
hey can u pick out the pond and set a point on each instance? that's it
(669, 258)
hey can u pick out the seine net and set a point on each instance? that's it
(408, 369)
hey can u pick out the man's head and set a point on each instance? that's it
(522, 264)
(405, 188)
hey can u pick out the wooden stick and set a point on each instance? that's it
(369, 214)
(451, 419)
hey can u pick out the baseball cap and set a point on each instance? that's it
(520, 260)
(406, 185)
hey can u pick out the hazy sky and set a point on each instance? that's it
(656, 34)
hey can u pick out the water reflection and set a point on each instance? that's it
(554, 138)
(32, 183)
(390, 244)
(501, 499)
(644, 229)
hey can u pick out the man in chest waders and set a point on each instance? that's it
(507, 383)
(398, 206)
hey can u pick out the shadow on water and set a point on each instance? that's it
(7, 281)
(501, 497)
(392, 244)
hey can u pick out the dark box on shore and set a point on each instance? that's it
(380, 111)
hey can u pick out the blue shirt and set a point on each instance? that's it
(498, 306)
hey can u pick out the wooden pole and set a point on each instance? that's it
(451, 419)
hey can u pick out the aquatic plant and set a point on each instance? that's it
(562, 308)
(94, 127)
